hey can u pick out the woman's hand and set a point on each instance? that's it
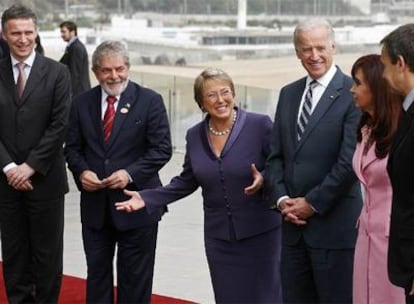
(257, 182)
(133, 204)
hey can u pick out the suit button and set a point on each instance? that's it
(107, 161)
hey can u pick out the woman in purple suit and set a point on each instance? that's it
(225, 155)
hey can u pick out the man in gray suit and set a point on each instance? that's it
(309, 173)
(34, 111)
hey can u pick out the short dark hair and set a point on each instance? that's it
(17, 11)
(400, 42)
(70, 25)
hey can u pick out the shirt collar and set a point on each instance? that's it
(325, 79)
(28, 61)
(408, 100)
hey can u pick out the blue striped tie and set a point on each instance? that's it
(306, 109)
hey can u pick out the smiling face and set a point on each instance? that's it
(112, 74)
(21, 37)
(315, 50)
(218, 99)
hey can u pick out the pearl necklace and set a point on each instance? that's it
(226, 131)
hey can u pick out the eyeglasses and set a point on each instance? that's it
(213, 96)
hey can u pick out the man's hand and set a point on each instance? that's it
(90, 181)
(296, 210)
(19, 177)
(117, 180)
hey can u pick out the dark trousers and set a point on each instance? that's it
(312, 275)
(32, 249)
(135, 263)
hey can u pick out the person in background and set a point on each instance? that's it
(118, 138)
(398, 59)
(4, 48)
(381, 109)
(39, 47)
(309, 173)
(225, 155)
(75, 57)
(34, 110)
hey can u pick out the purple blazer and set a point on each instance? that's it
(223, 179)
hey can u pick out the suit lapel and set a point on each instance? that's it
(332, 92)
(294, 110)
(37, 72)
(7, 77)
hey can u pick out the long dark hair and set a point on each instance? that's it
(387, 105)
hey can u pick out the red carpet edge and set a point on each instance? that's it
(73, 291)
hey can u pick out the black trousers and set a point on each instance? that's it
(32, 249)
(135, 263)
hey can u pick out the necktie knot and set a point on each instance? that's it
(111, 100)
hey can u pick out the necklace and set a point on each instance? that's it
(226, 131)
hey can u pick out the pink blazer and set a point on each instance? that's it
(371, 283)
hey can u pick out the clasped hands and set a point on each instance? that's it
(117, 180)
(296, 210)
(19, 177)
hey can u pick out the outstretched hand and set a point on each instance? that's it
(133, 204)
(257, 181)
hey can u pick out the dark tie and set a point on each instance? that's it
(21, 79)
(306, 109)
(109, 118)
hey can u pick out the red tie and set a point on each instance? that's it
(109, 118)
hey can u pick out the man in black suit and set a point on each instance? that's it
(398, 59)
(34, 111)
(75, 57)
(118, 138)
(309, 173)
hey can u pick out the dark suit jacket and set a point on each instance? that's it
(319, 166)
(32, 130)
(76, 58)
(140, 143)
(401, 173)
(223, 179)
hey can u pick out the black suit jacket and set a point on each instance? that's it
(140, 143)
(319, 166)
(401, 172)
(32, 130)
(76, 58)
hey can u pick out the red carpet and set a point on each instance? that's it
(73, 292)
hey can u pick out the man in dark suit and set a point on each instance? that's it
(75, 57)
(34, 112)
(104, 161)
(309, 173)
(398, 59)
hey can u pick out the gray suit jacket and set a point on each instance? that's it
(32, 130)
(319, 166)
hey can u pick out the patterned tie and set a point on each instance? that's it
(306, 109)
(21, 79)
(109, 118)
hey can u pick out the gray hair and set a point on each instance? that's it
(109, 48)
(309, 24)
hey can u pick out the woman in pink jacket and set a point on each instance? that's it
(381, 110)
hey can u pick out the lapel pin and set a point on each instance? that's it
(125, 108)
